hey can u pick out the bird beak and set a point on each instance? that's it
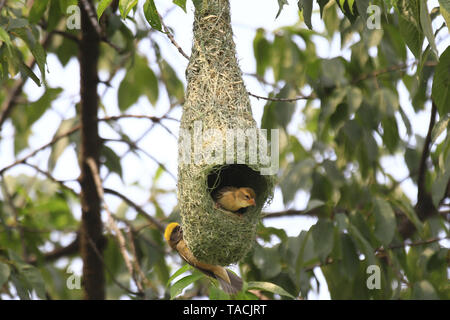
(252, 202)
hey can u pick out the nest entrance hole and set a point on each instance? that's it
(237, 175)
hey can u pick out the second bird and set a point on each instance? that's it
(233, 199)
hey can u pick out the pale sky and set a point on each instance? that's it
(247, 16)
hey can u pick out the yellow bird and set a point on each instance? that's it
(233, 199)
(229, 282)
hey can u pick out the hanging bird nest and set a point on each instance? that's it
(216, 114)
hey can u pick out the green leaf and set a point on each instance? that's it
(409, 211)
(443, 123)
(409, 25)
(111, 160)
(139, 80)
(424, 290)
(61, 145)
(281, 4)
(347, 9)
(322, 234)
(296, 176)
(174, 86)
(33, 278)
(4, 37)
(354, 99)
(387, 101)
(361, 6)
(439, 185)
(385, 223)
(181, 4)
(446, 14)
(441, 84)
(4, 273)
(306, 6)
(362, 243)
(125, 7)
(66, 50)
(322, 4)
(128, 92)
(101, 7)
(217, 294)
(270, 287)
(425, 22)
(445, 4)
(152, 16)
(36, 109)
(35, 47)
(198, 4)
(146, 78)
(180, 271)
(267, 260)
(37, 10)
(28, 73)
(391, 137)
(54, 15)
(17, 23)
(178, 287)
(262, 52)
(21, 286)
(350, 260)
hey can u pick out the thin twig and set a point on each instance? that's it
(50, 177)
(133, 145)
(312, 96)
(292, 212)
(413, 244)
(156, 120)
(99, 255)
(36, 151)
(137, 116)
(138, 208)
(75, 129)
(111, 222)
(171, 38)
(67, 35)
(137, 267)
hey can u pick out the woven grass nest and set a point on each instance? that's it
(216, 103)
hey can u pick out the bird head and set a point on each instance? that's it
(173, 234)
(246, 197)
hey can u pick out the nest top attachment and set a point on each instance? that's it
(217, 99)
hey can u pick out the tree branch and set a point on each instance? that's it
(292, 212)
(69, 250)
(36, 151)
(92, 17)
(91, 223)
(138, 209)
(50, 177)
(72, 131)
